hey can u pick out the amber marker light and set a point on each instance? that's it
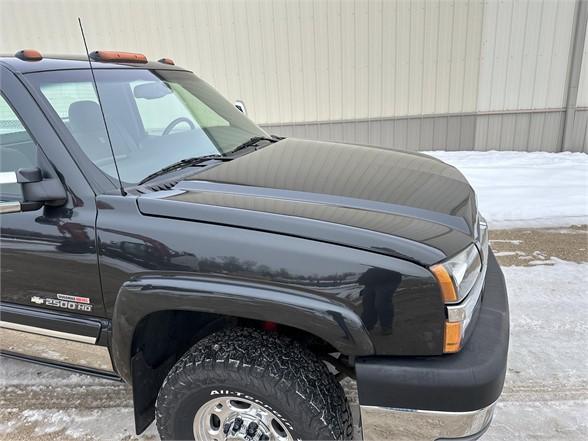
(29, 55)
(120, 57)
(445, 283)
(452, 337)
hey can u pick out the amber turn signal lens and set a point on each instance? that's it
(445, 282)
(29, 55)
(452, 338)
(127, 57)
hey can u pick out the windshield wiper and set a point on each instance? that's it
(182, 164)
(251, 142)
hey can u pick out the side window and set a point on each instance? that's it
(17, 149)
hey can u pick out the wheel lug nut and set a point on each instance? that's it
(252, 428)
(237, 424)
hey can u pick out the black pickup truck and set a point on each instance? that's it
(151, 233)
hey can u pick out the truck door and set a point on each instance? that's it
(49, 272)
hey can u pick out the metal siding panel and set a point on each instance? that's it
(468, 133)
(361, 54)
(335, 57)
(283, 68)
(453, 132)
(507, 131)
(274, 88)
(402, 77)
(544, 55)
(521, 132)
(444, 49)
(534, 17)
(295, 50)
(320, 36)
(351, 59)
(440, 133)
(415, 60)
(480, 132)
(562, 40)
(583, 87)
(427, 132)
(374, 63)
(493, 132)
(473, 38)
(487, 55)
(535, 139)
(515, 56)
(413, 131)
(501, 56)
(580, 132)
(389, 58)
(430, 42)
(387, 133)
(399, 133)
(308, 65)
(348, 60)
(458, 55)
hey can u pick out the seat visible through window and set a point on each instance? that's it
(17, 149)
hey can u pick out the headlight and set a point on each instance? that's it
(457, 276)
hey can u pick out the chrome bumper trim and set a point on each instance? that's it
(385, 423)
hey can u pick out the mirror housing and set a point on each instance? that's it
(241, 106)
(36, 190)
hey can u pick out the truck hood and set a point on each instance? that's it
(393, 202)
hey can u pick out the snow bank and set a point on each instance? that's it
(521, 189)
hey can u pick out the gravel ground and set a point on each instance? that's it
(546, 390)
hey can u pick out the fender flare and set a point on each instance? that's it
(327, 318)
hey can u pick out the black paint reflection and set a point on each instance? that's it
(377, 298)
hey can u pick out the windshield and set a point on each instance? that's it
(155, 118)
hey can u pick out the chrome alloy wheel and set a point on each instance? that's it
(237, 419)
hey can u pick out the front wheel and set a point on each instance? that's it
(246, 384)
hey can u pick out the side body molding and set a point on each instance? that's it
(326, 318)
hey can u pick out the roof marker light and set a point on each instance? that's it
(29, 55)
(167, 61)
(120, 57)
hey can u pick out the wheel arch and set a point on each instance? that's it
(173, 303)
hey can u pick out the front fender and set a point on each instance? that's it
(326, 318)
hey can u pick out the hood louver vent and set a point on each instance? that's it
(157, 187)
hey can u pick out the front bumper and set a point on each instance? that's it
(443, 397)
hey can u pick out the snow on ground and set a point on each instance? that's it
(545, 396)
(526, 189)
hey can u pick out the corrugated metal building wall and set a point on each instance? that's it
(426, 74)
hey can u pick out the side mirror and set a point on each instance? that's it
(36, 191)
(241, 106)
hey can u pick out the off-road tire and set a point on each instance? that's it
(274, 369)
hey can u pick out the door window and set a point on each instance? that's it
(17, 149)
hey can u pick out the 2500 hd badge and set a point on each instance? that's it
(64, 301)
(234, 278)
